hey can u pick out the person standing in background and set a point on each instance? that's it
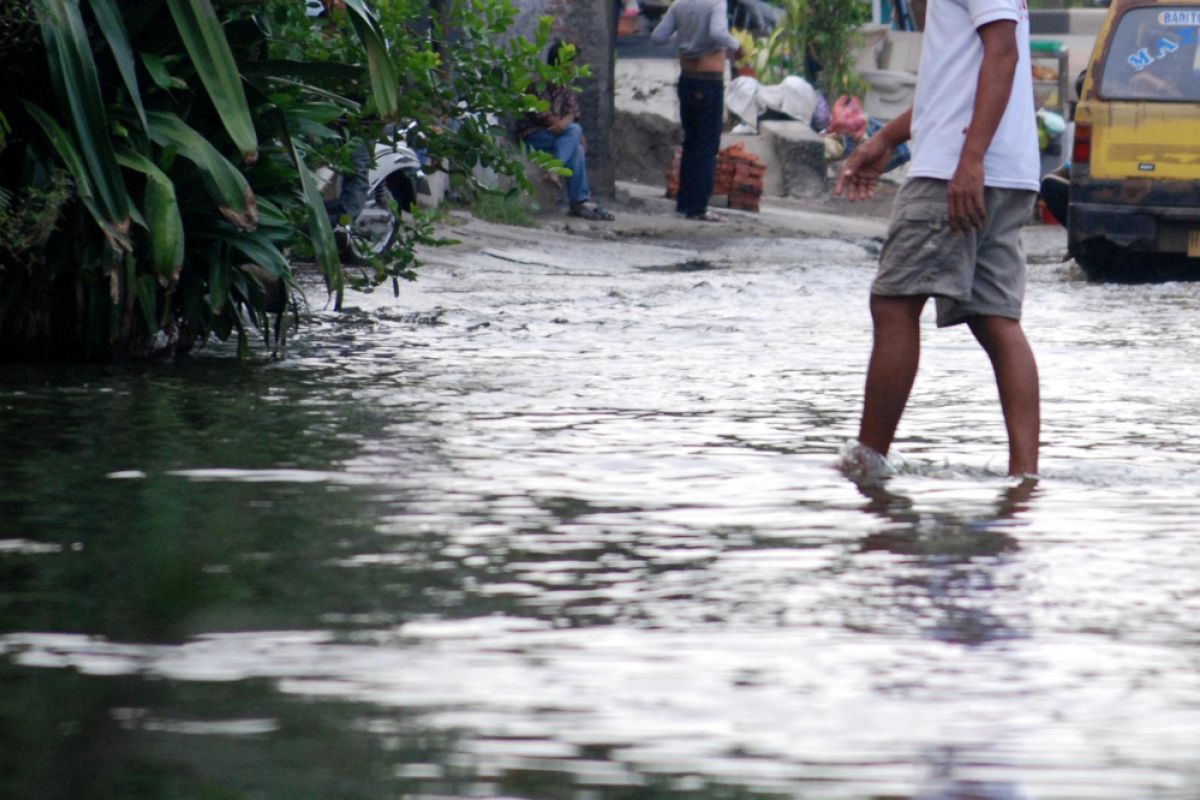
(701, 31)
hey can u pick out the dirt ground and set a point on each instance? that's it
(643, 211)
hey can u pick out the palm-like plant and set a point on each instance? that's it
(184, 176)
(817, 35)
(155, 155)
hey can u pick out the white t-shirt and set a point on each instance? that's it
(945, 103)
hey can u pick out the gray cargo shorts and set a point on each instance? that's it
(981, 273)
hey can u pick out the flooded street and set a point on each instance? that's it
(562, 522)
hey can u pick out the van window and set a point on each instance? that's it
(1154, 55)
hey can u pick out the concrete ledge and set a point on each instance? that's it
(763, 146)
(546, 198)
(799, 155)
(644, 145)
(794, 156)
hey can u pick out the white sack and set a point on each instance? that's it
(747, 99)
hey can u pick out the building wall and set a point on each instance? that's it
(590, 25)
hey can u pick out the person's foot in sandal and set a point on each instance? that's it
(590, 211)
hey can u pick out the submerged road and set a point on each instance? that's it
(562, 521)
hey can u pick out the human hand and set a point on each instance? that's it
(967, 208)
(560, 124)
(859, 177)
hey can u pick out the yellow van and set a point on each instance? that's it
(1135, 166)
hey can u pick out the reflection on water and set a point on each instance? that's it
(551, 529)
(958, 554)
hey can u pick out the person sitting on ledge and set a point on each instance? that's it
(557, 131)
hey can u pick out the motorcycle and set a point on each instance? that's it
(396, 183)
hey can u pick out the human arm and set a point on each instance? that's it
(859, 178)
(559, 124)
(718, 31)
(1000, 58)
(563, 110)
(665, 28)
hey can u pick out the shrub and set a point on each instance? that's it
(816, 40)
(170, 146)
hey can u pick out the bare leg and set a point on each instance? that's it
(893, 368)
(1017, 379)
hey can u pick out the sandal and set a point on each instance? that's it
(591, 211)
(707, 216)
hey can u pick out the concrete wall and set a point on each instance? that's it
(1079, 21)
(590, 26)
(528, 12)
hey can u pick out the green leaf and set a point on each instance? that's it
(257, 246)
(320, 231)
(146, 290)
(328, 75)
(160, 73)
(205, 41)
(224, 182)
(77, 84)
(162, 217)
(220, 278)
(65, 147)
(108, 16)
(385, 82)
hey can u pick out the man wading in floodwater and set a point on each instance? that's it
(956, 222)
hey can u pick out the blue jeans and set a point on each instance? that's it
(701, 111)
(567, 147)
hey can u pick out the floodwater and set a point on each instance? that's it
(563, 523)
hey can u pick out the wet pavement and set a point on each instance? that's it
(562, 521)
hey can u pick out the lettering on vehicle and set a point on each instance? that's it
(1145, 167)
(1179, 18)
(1163, 47)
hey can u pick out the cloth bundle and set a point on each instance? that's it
(794, 97)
